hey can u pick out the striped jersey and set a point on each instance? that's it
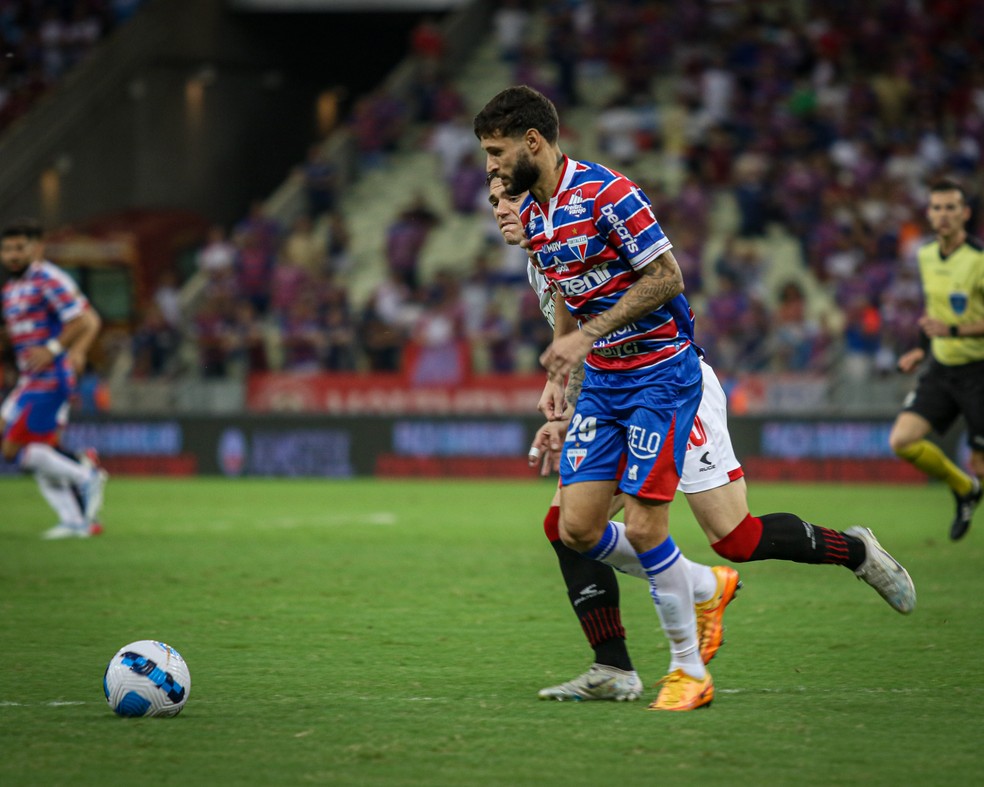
(590, 241)
(35, 305)
(953, 288)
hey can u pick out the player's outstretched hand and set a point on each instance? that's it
(552, 401)
(545, 449)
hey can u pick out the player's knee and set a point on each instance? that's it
(976, 463)
(577, 535)
(901, 445)
(9, 450)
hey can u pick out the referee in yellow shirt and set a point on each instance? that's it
(952, 272)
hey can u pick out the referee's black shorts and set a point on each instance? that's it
(945, 392)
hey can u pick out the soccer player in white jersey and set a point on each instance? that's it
(51, 326)
(595, 239)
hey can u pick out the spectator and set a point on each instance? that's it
(155, 344)
(406, 236)
(254, 272)
(167, 299)
(210, 328)
(245, 340)
(304, 249)
(302, 334)
(218, 256)
(320, 182)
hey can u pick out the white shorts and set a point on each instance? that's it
(710, 460)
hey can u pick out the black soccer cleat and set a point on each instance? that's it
(965, 511)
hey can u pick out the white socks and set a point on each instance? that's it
(45, 460)
(61, 498)
(615, 550)
(672, 594)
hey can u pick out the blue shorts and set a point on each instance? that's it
(633, 427)
(35, 416)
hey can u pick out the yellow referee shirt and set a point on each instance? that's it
(953, 288)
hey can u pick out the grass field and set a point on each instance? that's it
(369, 632)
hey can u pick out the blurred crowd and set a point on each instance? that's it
(41, 40)
(821, 123)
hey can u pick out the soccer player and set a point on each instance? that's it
(51, 326)
(597, 242)
(720, 502)
(952, 272)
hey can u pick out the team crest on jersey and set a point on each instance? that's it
(958, 302)
(575, 206)
(579, 245)
(575, 456)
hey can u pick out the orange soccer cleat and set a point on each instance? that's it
(710, 613)
(681, 691)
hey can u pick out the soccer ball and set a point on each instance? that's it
(147, 678)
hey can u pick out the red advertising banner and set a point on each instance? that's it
(391, 394)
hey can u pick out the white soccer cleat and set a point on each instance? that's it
(601, 682)
(62, 531)
(884, 573)
(92, 492)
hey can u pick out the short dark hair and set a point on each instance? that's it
(23, 228)
(514, 111)
(949, 184)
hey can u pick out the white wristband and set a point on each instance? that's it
(54, 347)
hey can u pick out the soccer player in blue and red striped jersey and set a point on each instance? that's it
(51, 326)
(596, 240)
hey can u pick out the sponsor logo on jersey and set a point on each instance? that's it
(580, 285)
(618, 350)
(575, 456)
(552, 247)
(643, 443)
(574, 206)
(618, 224)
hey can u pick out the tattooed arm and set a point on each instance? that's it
(659, 282)
(574, 382)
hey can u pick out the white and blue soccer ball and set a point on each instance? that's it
(147, 678)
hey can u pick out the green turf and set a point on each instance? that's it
(372, 632)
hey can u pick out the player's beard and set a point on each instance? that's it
(15, 273)
(524, 175)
